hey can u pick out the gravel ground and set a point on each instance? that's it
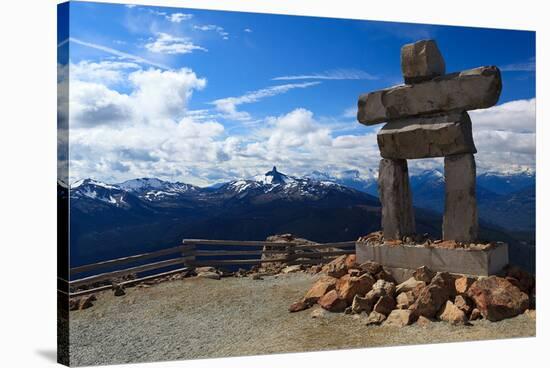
(202, 318)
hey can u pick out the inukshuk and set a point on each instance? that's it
(427, 117)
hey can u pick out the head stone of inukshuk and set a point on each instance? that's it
(427, 117)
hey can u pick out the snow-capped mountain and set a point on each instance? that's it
(507, 182)
(152, 189)
(351, 179)
(98, 191)
(276, 185)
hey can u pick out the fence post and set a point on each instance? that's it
(189, 254)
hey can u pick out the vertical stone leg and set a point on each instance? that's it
(460, 218)
(395, 196)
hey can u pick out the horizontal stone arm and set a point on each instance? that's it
(468, 90)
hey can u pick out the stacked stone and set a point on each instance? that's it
(427, 117)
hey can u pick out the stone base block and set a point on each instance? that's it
(422, 137)
(473, 262)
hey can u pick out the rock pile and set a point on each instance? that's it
(367, 289)
(427, 117)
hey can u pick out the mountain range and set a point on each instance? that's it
(139, 215)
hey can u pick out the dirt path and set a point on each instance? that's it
(201, 318)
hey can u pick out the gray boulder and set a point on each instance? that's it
(472, 89)
(421, 61)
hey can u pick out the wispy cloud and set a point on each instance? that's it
(337, 74)
(529, 66)
(179, 17)
(247, 30)
(168, 44)
(115, 52)
(228, 106)
(213, 27)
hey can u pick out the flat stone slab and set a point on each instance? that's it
(475, 262)
(421, 61)
(422, 137)
(472, 89)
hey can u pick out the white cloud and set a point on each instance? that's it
(168, 44)
(528, 66)
(228, 106)
(106, 72)
(109, 50)
(337, 74)
(179, 17)
(213, 27)
(247, 30)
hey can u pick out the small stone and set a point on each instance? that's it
(349, 286)
(86, 302)
(298, 306)
(332, 302)
(118, 290)
(292, 269)
(525, 280)
(371, 267)
(423, 274)
(399, 318)
(409, 285)
(318, 313)
(452, 314)
(375, 318)
(209, 275)
(205, 269)
(384, 305)
(463, 283)
(257, 276)
(432, 297)
(421, 61)
(320, 288)
(386, 286)
(405, 300)
(350, 261)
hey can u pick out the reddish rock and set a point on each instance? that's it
(375, 318)
(320, 288)
(384, 305)
(399, 318)
(423, 274)
(463, 303)
(386, 286)
(371, 267)
(452, 314)
(404, 300)
(355, 272)
(349, 286)
(299, 306)
(350, 261)
(337, 267)
(332, 302)
(409, 285)
(463, 283)
(432, 297)
(496, 298)
(531, 313)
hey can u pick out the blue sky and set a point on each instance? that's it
(206, 96)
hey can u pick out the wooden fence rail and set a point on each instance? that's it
(189, 255)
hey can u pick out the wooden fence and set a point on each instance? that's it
(201, 252)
